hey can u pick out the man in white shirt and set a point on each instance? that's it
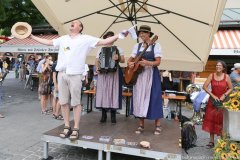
(73, 49)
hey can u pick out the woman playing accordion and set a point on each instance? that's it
(109, 83)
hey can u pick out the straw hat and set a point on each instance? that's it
(21, 30)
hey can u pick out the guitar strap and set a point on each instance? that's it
(139, 46)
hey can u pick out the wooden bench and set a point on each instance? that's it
(91, 93)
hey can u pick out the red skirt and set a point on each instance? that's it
(213, 120)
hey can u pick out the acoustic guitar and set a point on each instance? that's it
(131, 74)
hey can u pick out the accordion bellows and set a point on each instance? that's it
(107, 63)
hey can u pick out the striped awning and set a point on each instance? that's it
(28, 41)
(226, 39)
(28, 45)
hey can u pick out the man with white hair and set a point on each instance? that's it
(73, 50)
(235, 75)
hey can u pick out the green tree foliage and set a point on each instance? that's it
(13, 11)
(3, 4)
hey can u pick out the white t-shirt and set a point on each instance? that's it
(157, 50)
(121, 52)
(73, 52)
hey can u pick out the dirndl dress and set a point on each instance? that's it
(147, 92)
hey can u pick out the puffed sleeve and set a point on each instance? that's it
(157, 50)
(134, 51)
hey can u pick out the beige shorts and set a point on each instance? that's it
(69, 89)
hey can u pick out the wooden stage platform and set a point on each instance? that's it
(164, 146)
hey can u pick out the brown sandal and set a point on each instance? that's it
(139, 130)
(75, 134)
(66, 134)
(158, 130)
(210, 145)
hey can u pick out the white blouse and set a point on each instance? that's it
(157, 50)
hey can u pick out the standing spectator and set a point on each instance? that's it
(41, 61)
(73, 50)
(147, 92)
(16, 68)
(8, 61)
(235, 75)
(221, 86)
(39, 70)
(31, 65)
(23, 70)
(55, 101)
(44, 86)
(5, 66)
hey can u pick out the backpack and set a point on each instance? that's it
(189, 136)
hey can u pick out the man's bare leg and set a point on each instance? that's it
(77, 114)
(67, 130)
(65, 112)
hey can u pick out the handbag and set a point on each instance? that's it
(217, 104)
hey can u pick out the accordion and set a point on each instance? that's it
(106, 61)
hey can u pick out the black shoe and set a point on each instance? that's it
(104, 116)
(113, 116)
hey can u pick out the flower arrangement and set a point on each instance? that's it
(226, 150)
(233, 103)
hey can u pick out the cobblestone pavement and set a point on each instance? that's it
(23, 125)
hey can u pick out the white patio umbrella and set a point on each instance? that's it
(185, 27)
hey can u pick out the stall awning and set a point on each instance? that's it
(28, 45)
(226, 42)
